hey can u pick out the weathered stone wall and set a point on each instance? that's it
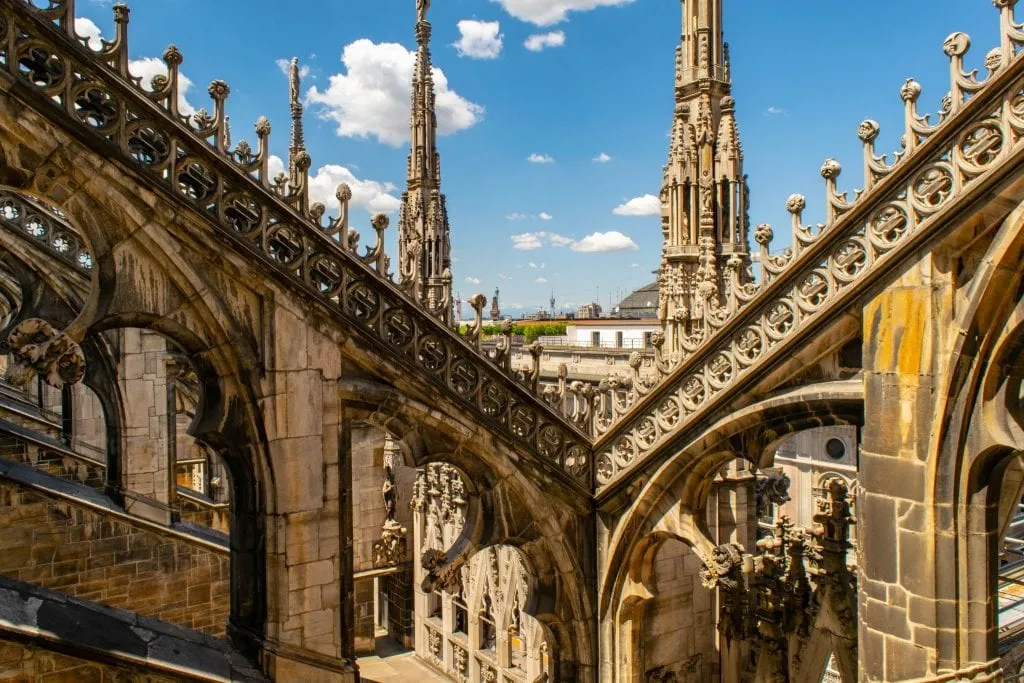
(28, 663)
(143, 377)
(79, 551)
(90, 425)
(906, 353)
(679, 624)
(367, 502)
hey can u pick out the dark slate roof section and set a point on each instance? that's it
(92, 631)
(643, 303)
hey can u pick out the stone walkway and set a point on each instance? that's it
(394, 665)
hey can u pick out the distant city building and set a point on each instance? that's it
(538, 315)
(612, 333)
(495, 309)
(588, 311)
(643, 303)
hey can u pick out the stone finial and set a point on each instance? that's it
(957, 45)
(868, 131)
(219, 90)
(343, 193)
(831, 169)
(173, 56)
(478, 302)
(796, 204)
(910, 91)
(763, 234)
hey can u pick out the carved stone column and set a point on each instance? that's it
(907, 568)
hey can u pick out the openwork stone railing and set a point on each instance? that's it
(46, 228)
(270, 219)
(978, 129)
(977, 137)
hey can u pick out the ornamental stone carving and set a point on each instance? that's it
(772, 488)
(724, 568)
(38, 349)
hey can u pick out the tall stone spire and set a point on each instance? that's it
(424, 245)
(704, 192)
(297, 146)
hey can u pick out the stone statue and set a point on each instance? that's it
(390, 499)
(422, 6)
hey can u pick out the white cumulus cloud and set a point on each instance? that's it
(372, 98)
(479, 39)
(472, 280)
(540, 158)
(541, 280)
(545, 216)
(541, 41)
(601, 242)
(592, 244)
(148, 67)
(547, 12)
(371, 195)
(535, 240)
(647, 205)
(602, 158)
(87, 28)
(526, 241)
(516, 216)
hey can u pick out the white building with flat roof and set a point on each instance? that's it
(612, 333)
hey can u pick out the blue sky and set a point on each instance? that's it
(598, 82)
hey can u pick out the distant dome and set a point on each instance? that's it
(643, 303)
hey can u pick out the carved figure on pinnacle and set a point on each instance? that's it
(422, 7)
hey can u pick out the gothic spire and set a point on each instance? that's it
(704, 192)
(423, 231)
(298, 142)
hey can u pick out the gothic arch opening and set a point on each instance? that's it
(800, 469)
(473, 624)
(383, 483)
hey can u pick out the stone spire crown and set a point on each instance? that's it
(423, 230)
(704, 191)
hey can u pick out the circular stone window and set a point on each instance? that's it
(836, 449)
